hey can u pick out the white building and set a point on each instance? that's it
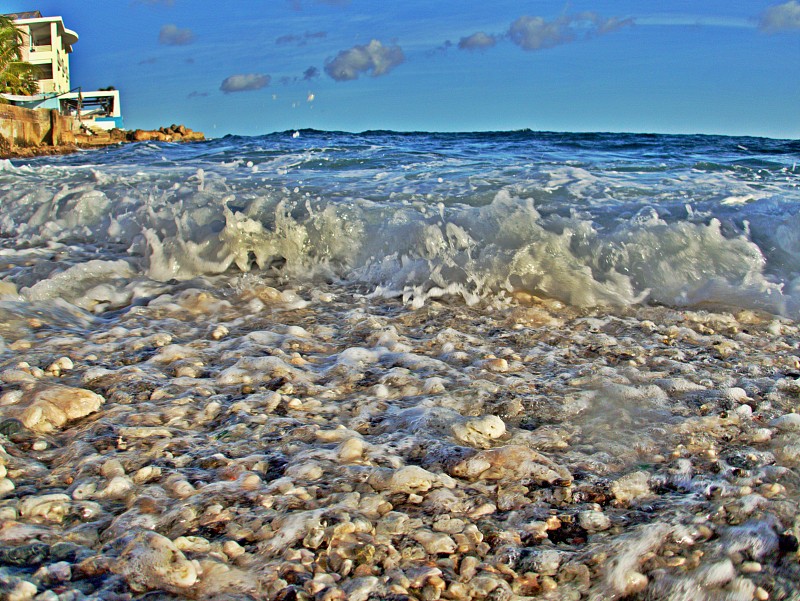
(47, 44)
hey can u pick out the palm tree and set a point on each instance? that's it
(16, 76)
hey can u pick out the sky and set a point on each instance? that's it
(258, 66)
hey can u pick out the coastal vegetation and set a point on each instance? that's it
(16, 75)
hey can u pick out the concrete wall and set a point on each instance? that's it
(27, 128)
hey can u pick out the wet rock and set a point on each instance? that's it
(48, 408)
(360, 589)
(409, 479)
(512, 462)
(217, 580)
(435, 543)
(32, 554)
(11, 426)
(16, 589)
(479, 431)
(594, 521)
(350, 450)
(45, 508)
(631, 487)
(789, 422)
(541, 561)
(151, 561)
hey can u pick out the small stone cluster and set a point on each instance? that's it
(173, 133)
(244, 441)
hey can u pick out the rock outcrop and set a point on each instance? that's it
(173, 133)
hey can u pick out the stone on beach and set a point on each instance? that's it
(631, 487)
(512, 462)
(45, 508)
(594, 521)
(409, 479)
(151, 561)
(789, 422)
(350, 450)
(44, 409)
(479, 431)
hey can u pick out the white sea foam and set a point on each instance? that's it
(583, 235)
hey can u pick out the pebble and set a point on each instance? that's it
(594, 521)
(545, 561)
(435, 543)
(631, 487)
(789, 422)
(49, 408)
(479, 431)
(750, 567)
(511, 462)
(761, 435)
(350, 450)
(635, 582)
(151, 561)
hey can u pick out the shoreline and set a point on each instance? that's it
(89, 141)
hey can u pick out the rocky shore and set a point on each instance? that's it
(259, 442)
(97, 139)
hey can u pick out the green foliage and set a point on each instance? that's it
(16, 75)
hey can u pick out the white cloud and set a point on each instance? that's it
(373, 58)
(477, 41)
(171, 35)
(781, 17)
(244, 83)
(535, 33)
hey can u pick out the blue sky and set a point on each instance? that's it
(255, 66)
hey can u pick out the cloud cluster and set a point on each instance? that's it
(172, 35)
(477, 41)
(780, 17)
(244, 82)
(373, 58)
(310, 73)
(536, 33)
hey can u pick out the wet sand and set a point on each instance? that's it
(233, 438)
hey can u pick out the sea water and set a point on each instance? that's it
(588, 219)
(580, 351)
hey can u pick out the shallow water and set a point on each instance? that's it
(402, 366)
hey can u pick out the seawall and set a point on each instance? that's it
(26, 128)
(30, 132)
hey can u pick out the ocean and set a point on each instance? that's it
(324, 365)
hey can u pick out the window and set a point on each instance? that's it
(44, 71)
